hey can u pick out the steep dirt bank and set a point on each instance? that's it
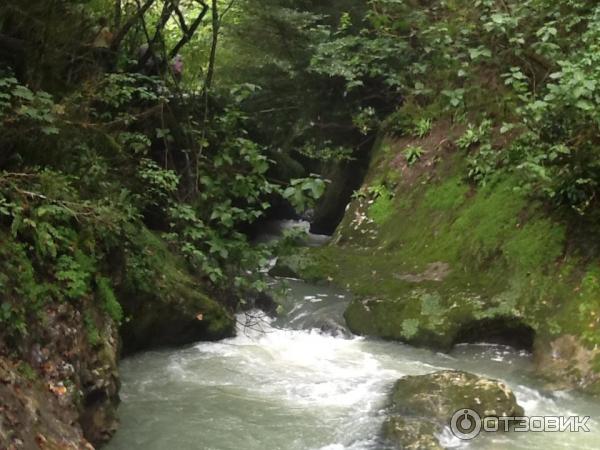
(434, 261)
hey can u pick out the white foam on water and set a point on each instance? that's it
(304, 367)
(283, 389)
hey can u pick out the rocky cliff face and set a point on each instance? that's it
(59, 383)
(60, 390)
(434, 261)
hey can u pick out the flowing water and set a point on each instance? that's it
(300, 383)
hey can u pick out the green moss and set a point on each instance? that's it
(27, 372)
(310, 264)
(535, 245)
(92, 332)
(410, 328)
(590, 284)
(588, 304)
(448, 196)
(489, 219)
(164, 303)
(22, 293)
(382, 208)
(505, 258)
(109, 301)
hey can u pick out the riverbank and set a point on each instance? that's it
(434, 261)
(285, 384)
(60, 381)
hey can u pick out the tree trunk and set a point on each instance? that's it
(216, 25)
(118, 14)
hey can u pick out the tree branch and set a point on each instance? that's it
(227, 9)
(164, 18)
(120, 35)
(216, 25)
(181, 19)
(191, 30)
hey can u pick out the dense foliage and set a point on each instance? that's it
(98, 143)
(91, 160)
(529, 67)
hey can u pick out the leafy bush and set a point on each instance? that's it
(423, 127)
(20, 108)
(475, 135)
(413, 154)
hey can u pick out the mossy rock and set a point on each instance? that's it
(164, 304)
(301, 265)
(285, 167)
(439, 395)
(567, 361)
(183, 317)
(32, 417)
(421, 406)
(419, 317)
(283, 270)
(411, 434)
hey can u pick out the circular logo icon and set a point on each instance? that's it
(465, 424)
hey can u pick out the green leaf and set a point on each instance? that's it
(23, 92)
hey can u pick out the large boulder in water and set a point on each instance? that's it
(421, 406)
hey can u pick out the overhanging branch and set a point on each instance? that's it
(189, 32)
(120, 35)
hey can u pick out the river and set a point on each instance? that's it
(286, 384)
